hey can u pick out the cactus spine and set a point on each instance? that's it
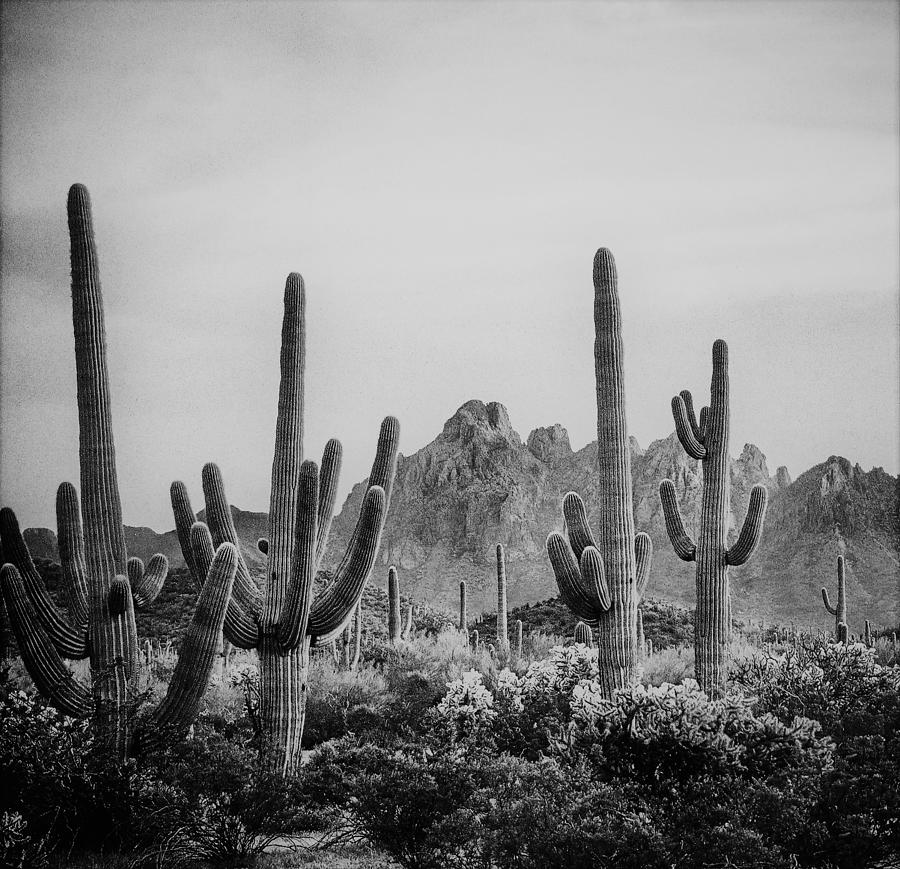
(602, 579)
(282, 620)
(584, 635)
(463, 611)
(502, 630)
(393, 606)
(708, 442)
(104, 586)
(839, 610)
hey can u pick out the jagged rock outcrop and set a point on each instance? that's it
(477, 484)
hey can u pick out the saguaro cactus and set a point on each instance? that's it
(708, 442)
(104, 585)
(642, 647)
(584, 635)
(502, 630)
(281, 620)
(601, 579)
(394, 628)
(839, 610)
(518, 639)
(463, 610)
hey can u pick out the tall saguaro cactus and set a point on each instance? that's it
(104, 585)
(502, 629)
(707, 441)
(839, 610)
(286, 617)
(601, 579)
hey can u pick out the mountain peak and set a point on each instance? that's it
(550, 444)
(476, 420)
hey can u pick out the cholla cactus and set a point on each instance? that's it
(707, 441)
(839, 610)
(282, 620)
(584, 635)
(602, 579)
(104, 586)
(502, 630)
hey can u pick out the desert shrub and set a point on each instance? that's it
(857, 702)
(672, 665)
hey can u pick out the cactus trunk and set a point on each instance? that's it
(601, 579)
(707, 441)
(502, 630)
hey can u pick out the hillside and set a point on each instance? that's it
(478, 483)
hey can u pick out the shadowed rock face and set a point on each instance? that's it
(477, 484)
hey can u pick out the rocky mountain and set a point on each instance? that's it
(477, 483)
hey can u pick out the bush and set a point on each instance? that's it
(857, 702)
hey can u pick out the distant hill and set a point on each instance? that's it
(477, 483)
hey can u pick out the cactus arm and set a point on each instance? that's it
(751, 531)
(385, 465)
(685, 430)
(71, 552)
(684, 546)
(294, 616)
(335, 605)
(594, 577)
(239, 629)
(643, 556)
(688, 400)
(221, 526)
(121, 603)
(196, 655)
(580, 535)
(184, 519)
(329, 475)
(69, 641)
(827, 602)
(568, 577)
(44, 665)
(704, 422)
(147, 584)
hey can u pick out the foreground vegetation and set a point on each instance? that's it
(432, 755)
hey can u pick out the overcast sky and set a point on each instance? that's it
(441, 174)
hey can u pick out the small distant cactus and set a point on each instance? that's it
(867, 636)
(502, 630)
(584, 635)
(476, 641)
(410, 625)
(463, 610)
(640, 632)
(839, 610)
(707, 441)
(519, 639)
(394, 629)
